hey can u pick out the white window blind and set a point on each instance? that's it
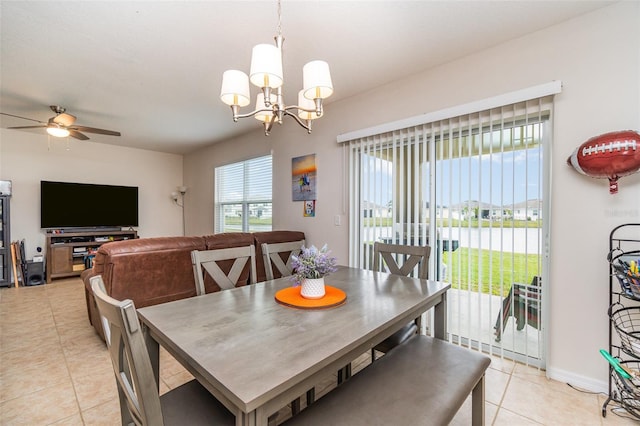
(243, 196)
(473, 188)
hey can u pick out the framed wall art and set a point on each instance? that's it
(309, 208)
(304, 178)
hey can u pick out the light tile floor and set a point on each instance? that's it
(54, 370)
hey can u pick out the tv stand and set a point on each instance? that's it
(70, 253)
(89, 230)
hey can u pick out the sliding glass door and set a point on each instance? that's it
(473, 188)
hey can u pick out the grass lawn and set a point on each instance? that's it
(236, 220)
(472, 223)
(491, 268)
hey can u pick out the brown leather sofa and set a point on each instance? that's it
(151, 271)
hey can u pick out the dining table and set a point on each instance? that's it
(256, 354)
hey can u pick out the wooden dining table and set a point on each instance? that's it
(255, 354)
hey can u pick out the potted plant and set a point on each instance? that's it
(309, 269)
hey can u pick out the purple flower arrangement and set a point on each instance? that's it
(312, 263)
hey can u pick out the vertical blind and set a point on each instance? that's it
(471, 187)
(243, 189)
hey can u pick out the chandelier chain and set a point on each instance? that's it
(266, 73)
(279, 18)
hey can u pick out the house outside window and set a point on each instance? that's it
(243, 196)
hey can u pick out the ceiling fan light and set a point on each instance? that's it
(307, 104)
(58, 132)
(235, 88)
(64, 119)
(266, 66)
(316, 80)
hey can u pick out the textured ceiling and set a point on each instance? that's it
(152, 69)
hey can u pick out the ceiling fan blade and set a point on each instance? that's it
(28, 127)
(24, 118)
(64, 119)
(94, 130)
(76, 134)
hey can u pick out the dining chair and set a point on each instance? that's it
(400, 260)
(280, 256)
(140, 401)
(522, 302)
(212, 262)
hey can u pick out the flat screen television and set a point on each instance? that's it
(82, 205)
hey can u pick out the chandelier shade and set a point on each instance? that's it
(307, 104)
(235, 88)
(266, 66)
(263, 113)
(316, 80)
(266, 73)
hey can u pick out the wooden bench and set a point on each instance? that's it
(422, 382)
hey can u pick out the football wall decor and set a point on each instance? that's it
(611, 155)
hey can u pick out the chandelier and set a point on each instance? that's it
(266, 73)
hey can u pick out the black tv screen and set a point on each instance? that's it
(82, 205)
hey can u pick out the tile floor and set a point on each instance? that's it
(54, 370)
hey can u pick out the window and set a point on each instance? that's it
(243, 196)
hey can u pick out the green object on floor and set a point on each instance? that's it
(615, 363)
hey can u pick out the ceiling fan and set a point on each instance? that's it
(62, 125)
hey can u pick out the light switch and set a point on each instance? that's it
(336, 220)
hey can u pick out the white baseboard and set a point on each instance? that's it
(580, 382)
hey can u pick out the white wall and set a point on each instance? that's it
(285, 142)
(596, 56)
(26, 160)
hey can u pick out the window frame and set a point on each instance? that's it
(246, 200)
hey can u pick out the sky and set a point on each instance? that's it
(497, 178)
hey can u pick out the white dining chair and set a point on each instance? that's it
(400, 259)
(140, 402)
(280, 256)
(211, 262)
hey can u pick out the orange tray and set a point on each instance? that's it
(290, 296)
